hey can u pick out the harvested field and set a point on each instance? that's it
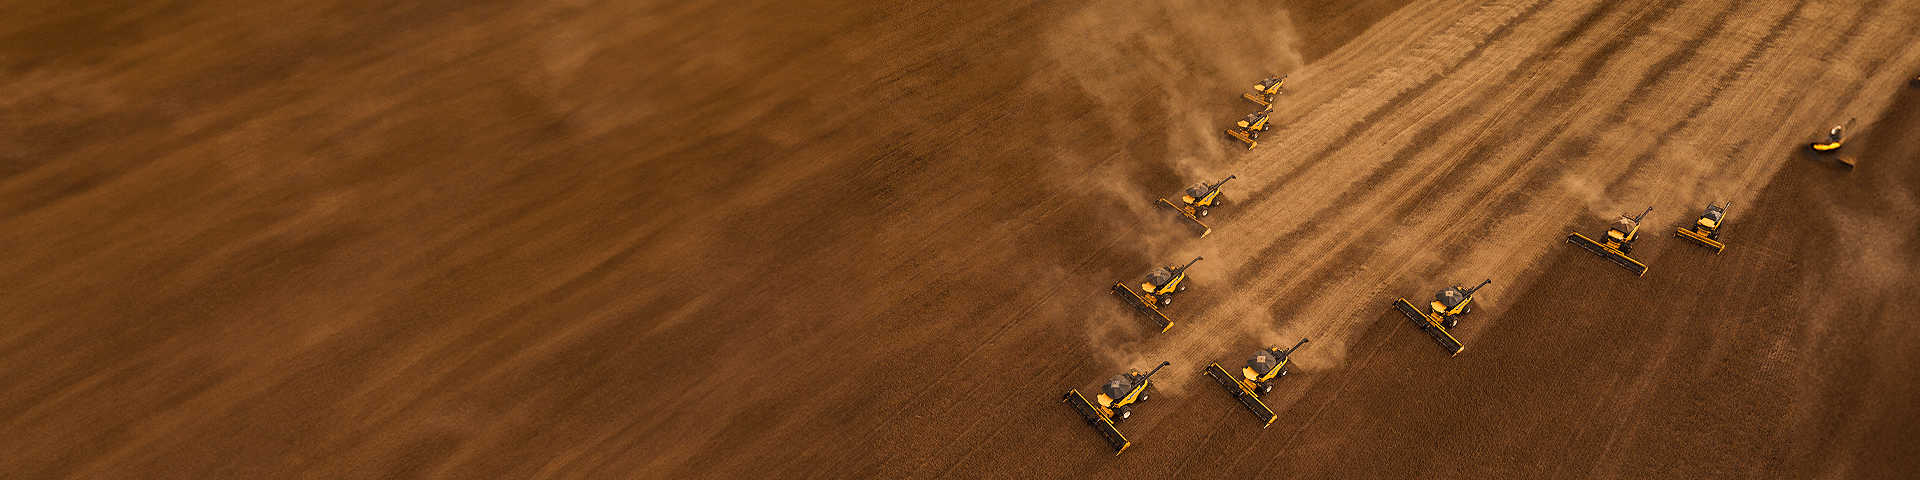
(616, 239)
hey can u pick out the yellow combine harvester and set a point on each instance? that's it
(1115, 404)
(1829, 148)
(1265, 90)
(1443, 314)
(1158, 292)
(1706, 231)
(1255, 379)
(1619, 242)
(1251, 126)
(1194, 205)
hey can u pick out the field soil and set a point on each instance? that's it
(830, 239)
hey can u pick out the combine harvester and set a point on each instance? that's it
(1251, 126)
(1255, 379)
(1266, 89)
(1443, 314)
(1706, 231)
(1829, 149)
(1194, 205)
(1158, 292)
(1115, 404)
(1619, 243)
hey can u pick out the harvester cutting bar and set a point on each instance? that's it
(1144, 305)
(1267, 89)
(1608, 252)
(1187, 213)
(1099, 421)
(1705, 229)
(1244, 138)
(1431, 325)
(1701, 239)
(1240, 392)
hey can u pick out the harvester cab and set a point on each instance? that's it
(1265, 365)
(1442, 314)
(1453, 302)
(1126, 389)
(1255, 122)
(1196, 202)
(1829, 147)
(1834, 138)
(1624, 230)
(1158, 291)
(1114, 404)
(1163, 282)
(1619, 242)
(1251, 126)
(1265, 90)
(1255, 379)
(1205, 194)
(1706, 230)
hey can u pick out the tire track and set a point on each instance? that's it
(1263, 260)
(1381, 111)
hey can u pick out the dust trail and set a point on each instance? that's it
(1172, 69)
(1183, 55)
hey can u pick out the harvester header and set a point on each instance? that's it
(1195, 204)
(1618, 242)
(1113, 404)
(1255, 379)
(1706, 230)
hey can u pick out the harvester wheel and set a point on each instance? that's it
(1626, 248)
(1203, 212)
(1143, 397)
(1122, 414)
(1166, 300)
(1266, 387)
(1452, 322)
(1183, 287)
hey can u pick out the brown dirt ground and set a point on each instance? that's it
(615, 239)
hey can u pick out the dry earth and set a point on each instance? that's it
(613, 239)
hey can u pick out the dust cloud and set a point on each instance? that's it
(1137, 62)
(1129, 52)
